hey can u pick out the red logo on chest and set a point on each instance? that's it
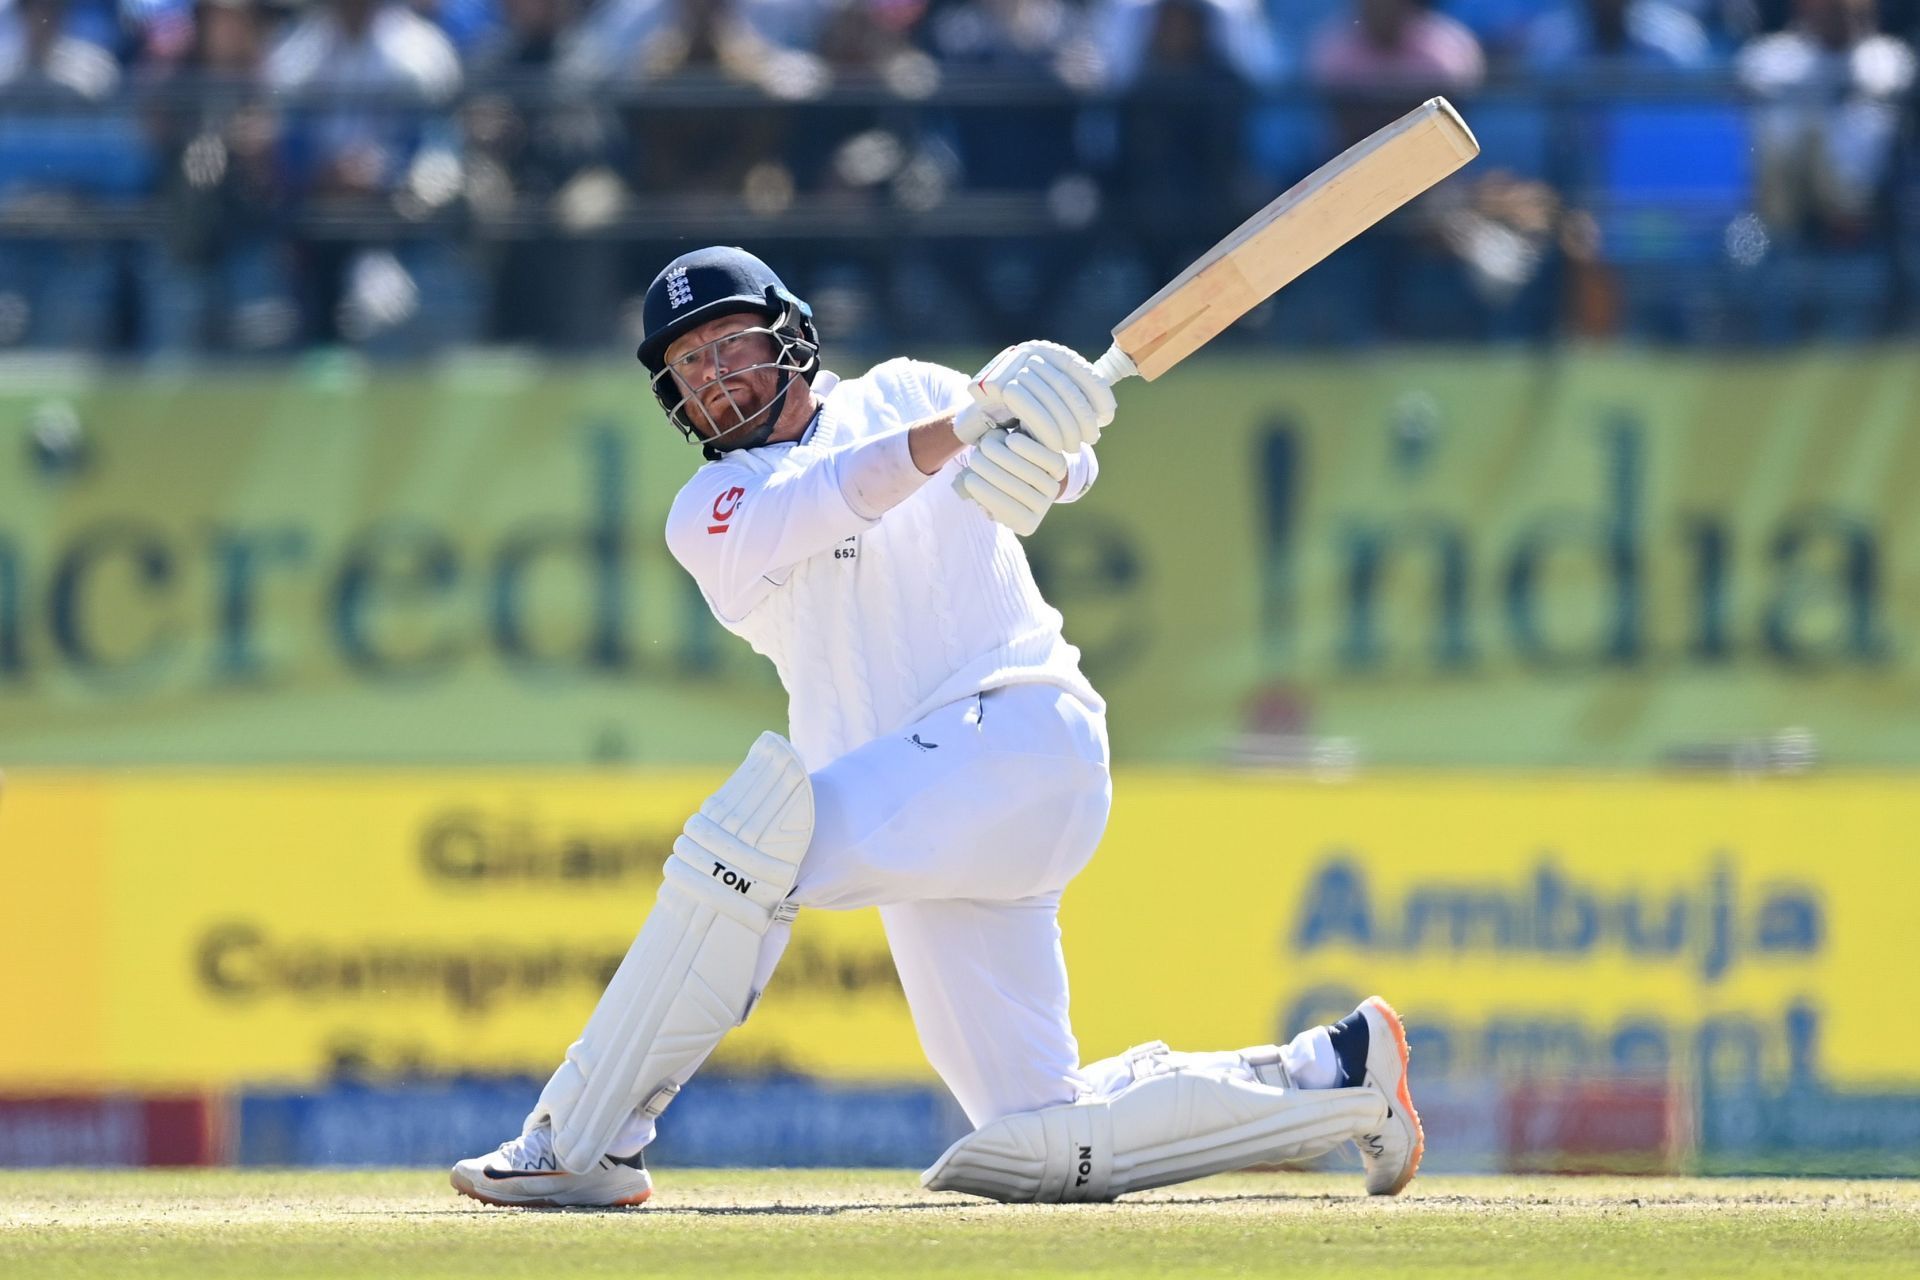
(723, 508)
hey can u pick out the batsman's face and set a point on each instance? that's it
(726, 373)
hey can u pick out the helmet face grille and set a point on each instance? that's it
(786, 347)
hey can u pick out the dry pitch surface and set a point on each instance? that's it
(795, 1223)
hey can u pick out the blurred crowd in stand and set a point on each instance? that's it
(239, 177)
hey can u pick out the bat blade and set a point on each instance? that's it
(1304, 225)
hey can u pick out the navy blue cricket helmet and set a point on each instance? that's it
(723, 280)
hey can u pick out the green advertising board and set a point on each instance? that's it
(1594, 558)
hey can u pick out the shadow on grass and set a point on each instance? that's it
(854, 1206)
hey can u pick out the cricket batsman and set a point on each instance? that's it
(947, 764)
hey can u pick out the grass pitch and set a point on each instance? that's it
(798, 1223)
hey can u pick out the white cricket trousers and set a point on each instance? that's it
(963, 829)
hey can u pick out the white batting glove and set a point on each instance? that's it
(1047, 389)
(1014, 479)
(987, 409)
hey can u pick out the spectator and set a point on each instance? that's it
(862, 147)
(353, 47)
(735, 148)
(869, 154)
(219, 277)
(1044, 39)
(1506, 28)
(37, 54)
(1189, 70)
(525, 40)
(556, 158)
(1036, 41)
(731, 148)
(1397, 44)
(1383, 60)
(373, 71)
(767, 43)
(155, 32)
(1829, 88)
(1619, 36)
(471, 25)
(57, 151)
(1387, 58)
(230, 42)
(877, 39)
(1186, 37)
(1499, 25)
(1026, 43)
(100, 23)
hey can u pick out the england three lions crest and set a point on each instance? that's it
(679, 292)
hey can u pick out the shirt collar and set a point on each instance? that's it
(825, 427)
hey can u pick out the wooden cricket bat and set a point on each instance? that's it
(1329, 207)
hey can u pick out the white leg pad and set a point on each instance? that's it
(688, 978)
(1261, 1064)
(1171, 1124)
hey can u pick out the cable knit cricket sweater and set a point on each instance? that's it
(870, 622)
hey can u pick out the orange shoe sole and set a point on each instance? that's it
(1399, 1030)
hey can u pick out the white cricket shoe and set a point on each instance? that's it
(526, 1172)
(1392, 1153)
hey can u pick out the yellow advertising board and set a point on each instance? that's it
(189, 929)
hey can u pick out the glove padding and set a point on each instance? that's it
(1046, 389)
(1013, 477)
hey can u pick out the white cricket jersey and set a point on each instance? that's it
(874, 614)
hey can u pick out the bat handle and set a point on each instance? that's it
(1114, 365)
